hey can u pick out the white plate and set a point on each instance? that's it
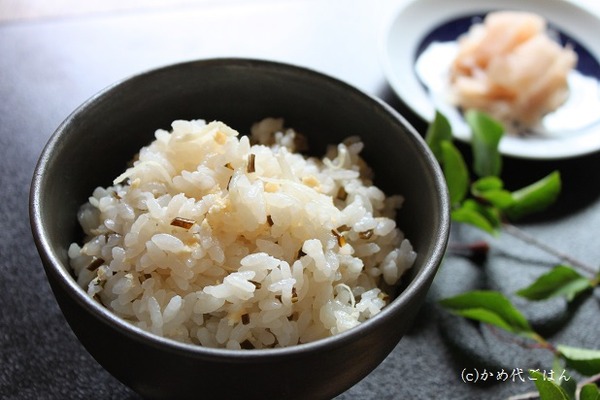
(572, 130)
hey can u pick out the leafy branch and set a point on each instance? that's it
(480, 199)
(493, 308)
(485, 202)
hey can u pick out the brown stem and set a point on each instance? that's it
(591, 379)
(538, 341)
(526, 237)
(525, 396)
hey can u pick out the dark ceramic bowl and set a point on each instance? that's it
(93, 146)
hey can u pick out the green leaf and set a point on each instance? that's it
(590, 392)
(490, 189)
(472, 217)
(455, 171)
(547, 389)
(567, 383)
(498, 198)
(584, 361)
(535, 197)
(490, 307)
(569, 386)
(487, 183)
(438, 131)
(559, 281)
(485, 138)
(481, 216)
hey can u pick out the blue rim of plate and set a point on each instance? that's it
(399, 53)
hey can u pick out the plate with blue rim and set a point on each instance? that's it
(419, 44)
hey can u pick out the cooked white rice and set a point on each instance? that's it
(213, 240)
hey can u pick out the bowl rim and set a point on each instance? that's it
(61, 273)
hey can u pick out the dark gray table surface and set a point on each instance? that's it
(49, 67)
